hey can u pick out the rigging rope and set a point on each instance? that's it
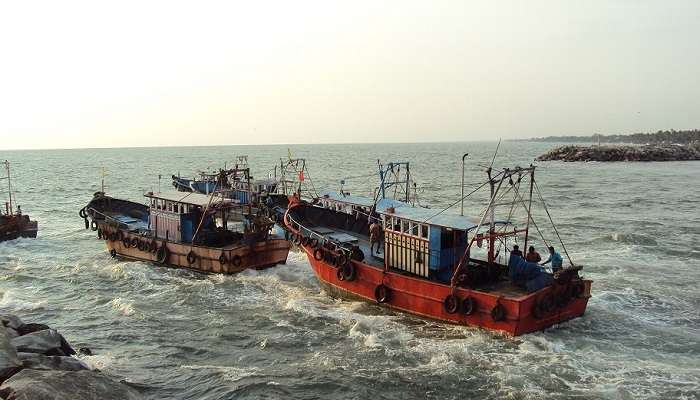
(539, 194)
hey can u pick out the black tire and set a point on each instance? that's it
(135, 242)
(191, 257)
(236, 260)
(468, 305)
(222, 259)
(451, 303)
(93, 225)
(498, 312)
(120, 236)
(87, 223)
(297, 239)
(113, 253)
(318, 254)
(83, 213)
(382, 294)
(126, 242)
(163, 254)
(153, 247)
(339, 274)
(349, 271)
(99, 233)
(342, 260)
(313, 242)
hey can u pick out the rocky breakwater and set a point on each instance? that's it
(36, 362)
(660, 152)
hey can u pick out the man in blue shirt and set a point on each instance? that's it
(555, 258)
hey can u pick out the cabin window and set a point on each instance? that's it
(404, 226)
(396, 224)
(414, 229)
(424, 231)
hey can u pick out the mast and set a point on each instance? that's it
(529, 206)
(461, 212)
(9, 185)
(492, 222)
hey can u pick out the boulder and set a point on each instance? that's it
(31, 328)
(9, 361)
(40, 361)
(11, 321)
(65, 385)
(655, 152)
(48, 342)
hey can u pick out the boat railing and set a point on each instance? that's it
(322, 239)
(120, 224)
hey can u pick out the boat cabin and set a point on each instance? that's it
(176, 216)
(419, 241)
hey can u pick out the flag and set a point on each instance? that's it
(301, 176)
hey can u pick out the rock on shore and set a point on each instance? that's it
(36, 363)
(666, 152)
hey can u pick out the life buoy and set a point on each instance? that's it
(313, 242)
(113, 253)
(191, 257)
(82, 213)
(163, 254)
(93, 225)
(382, 294)
(468, 305)
(222, 259)
(318, 254)
(349, 271)
(498, 312)
(451, 303)
(236, 260)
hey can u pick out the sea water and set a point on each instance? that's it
(635, 227)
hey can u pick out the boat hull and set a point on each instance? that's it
(18, 227)
(426, 298)
(258, 255)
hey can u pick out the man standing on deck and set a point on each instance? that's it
(555, 258)
(375, 236)
(532, 255)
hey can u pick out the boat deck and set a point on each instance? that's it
(504, 288)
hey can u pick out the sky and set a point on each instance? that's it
(166, 73)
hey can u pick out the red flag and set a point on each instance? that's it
(301, 176)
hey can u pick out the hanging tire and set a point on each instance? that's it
(342, 260)
(135, 242)
(163, 254)
(153, 247)
(93, 225)
(313, 242)
(292, 237)
(349, 272)
(339, 274)
(120, 236)
(468, 305)
(87, 223)
(222, 259)
(191, 257)
(318, 254)
(382, 294)
(498, 312)
(83, 214)
(99, 233)
(236, 260)
(113, 253)
(451, 303)
(126, 242)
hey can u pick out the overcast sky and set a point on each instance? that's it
(148, 73)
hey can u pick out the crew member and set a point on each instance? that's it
(516, 251)
(555, 258)
(532, 255)
(375, 236)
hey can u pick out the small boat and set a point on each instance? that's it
(189, 230)
(434, 264)
(13, 223)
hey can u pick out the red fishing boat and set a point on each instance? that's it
(13, 223)
(438, 265)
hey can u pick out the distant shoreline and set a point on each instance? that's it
(660, 137)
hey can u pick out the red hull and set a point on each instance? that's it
(426, 298)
